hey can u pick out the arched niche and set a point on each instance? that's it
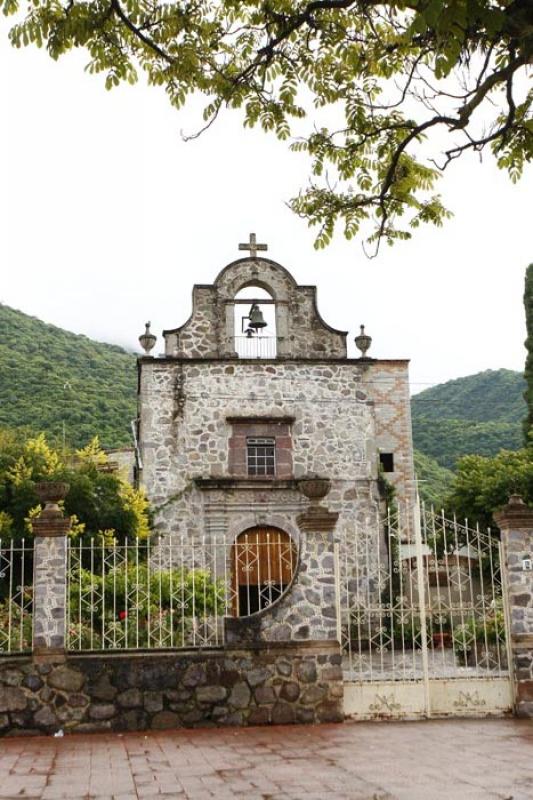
(264, 274)
(249, 341)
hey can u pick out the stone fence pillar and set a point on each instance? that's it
(50, 531)
(515, 521)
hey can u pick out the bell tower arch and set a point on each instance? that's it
(297, 327)
(255, 323)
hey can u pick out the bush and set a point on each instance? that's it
(136, 607)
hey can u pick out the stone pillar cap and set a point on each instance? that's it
(516, 514)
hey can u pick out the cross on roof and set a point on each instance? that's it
(252, 246)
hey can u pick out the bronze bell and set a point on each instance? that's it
(256, 317)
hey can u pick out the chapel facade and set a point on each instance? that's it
(239, 412)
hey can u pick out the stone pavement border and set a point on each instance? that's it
(432, 760)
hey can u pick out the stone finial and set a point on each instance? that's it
(51, 521)
(51, 493)
(147, 340)
(363, 342)
(515, 515)
(317, 518)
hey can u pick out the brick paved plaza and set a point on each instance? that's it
(463, 759)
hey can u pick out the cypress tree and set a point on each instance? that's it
(528, 372)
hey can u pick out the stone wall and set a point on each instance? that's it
(307, 610)
(49, 587)
(516, 523)
(258, 685)
(387, 385)
(338, 426)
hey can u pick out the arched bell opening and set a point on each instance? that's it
(255, 323)
(264, 563)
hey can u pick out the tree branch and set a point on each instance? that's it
(115, 5)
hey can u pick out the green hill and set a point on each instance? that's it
(59, 382)
(478, 414)
(434, 481)
(490, 396)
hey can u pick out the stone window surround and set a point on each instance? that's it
(278, 428)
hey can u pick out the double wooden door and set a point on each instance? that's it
(264, 560)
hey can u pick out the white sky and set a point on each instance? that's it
(107, 218)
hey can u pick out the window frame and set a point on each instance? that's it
(261, 463)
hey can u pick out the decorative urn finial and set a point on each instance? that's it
(363, 342)
(147, 340)
(51, 493)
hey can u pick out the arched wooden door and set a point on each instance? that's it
(264, 560)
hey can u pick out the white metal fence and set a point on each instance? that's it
(256, 346)
(171, 593)
(420, 598)
(16, 596)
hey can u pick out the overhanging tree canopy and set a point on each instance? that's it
(383, 96)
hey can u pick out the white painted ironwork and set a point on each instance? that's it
(172, 592)
(16, 596)
(256, 346)
(421, 603)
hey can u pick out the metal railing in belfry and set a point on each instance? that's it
(171, 592)
(16, 596)
(256, 346)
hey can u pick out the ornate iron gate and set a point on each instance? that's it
(422, 618)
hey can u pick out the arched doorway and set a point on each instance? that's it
(264, 561)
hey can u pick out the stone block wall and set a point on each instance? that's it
(516, 523)
(258, 685)
(188, 410)
(49, 588)
(387, 385)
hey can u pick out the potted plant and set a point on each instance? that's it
(441, 636)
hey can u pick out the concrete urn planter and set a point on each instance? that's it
(314, 488)
(51, 493)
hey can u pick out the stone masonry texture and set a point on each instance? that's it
(343, 413)
(306, 611)
(49, 592)
(519, 545)
(140, 691)
(516, 523)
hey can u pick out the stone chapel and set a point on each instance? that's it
(255, 395)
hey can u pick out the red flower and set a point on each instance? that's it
(122, 614)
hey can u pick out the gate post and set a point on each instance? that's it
(50, 531)
(515, 521)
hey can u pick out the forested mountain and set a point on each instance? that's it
(64, 384)
(490, 396)
(480, 414)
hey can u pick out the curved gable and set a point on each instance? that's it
(209, 331)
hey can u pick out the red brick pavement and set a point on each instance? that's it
(435, 760)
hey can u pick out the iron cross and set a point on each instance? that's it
(252, 246)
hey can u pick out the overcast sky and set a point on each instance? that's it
(108, 218)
